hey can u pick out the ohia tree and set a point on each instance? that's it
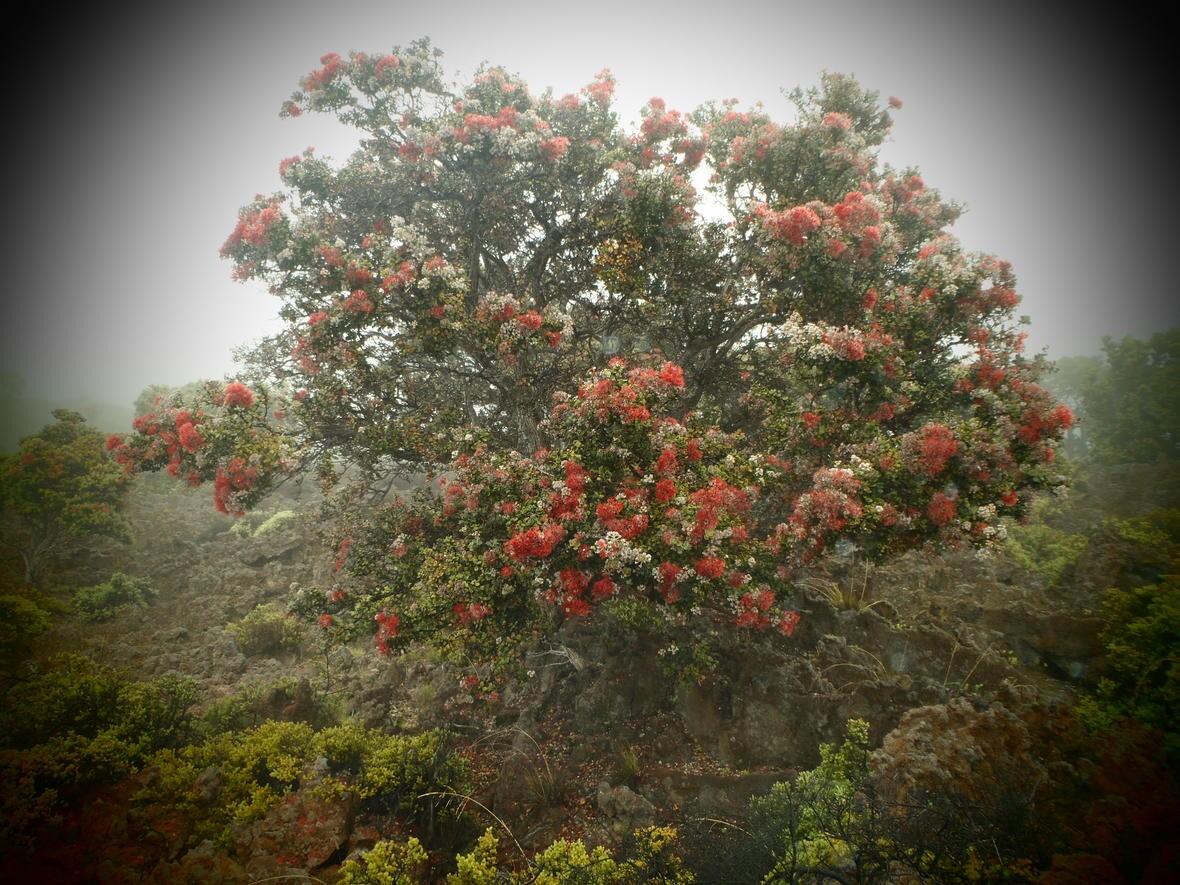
(677, 362)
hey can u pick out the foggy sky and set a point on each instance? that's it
(136, 133)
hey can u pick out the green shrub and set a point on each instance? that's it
(21, 621)
(804, 819)
(1044, 550)
(1142, 640)
(387, 863)
(649, 856)
(255, 703)
(637, 614)
(102, 601)
(74, 695)
(260, 765)
(267, 630)
(78, 723)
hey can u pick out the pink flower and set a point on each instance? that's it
(603, 87)
(384, 64)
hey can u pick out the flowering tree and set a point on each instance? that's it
(57, 489)
(625, 387)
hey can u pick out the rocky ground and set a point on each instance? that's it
(933, 654)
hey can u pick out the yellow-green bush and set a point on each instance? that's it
(276, 522)
(260, 765)
(650, 857)
(387, 863)
(267, 630)
(1044, 550)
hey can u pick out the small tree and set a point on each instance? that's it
(628, 388)
(59, 488)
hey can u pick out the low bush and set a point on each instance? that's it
(276, 522)
(259, 766)
(648, 856)
(102, 601)
(268, 630)
(1043, 550)
(77, 723)
(1142, 641)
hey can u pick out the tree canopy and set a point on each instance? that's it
(674, 364)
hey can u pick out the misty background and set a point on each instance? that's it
(137, 131)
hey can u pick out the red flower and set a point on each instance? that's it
(636, 414)
(325, 620)
(534, 542)
(941, 508)
(190, 438)
(665, 491)
(672, 375)
(530, 320)
(788, 622)
(710, 567)
(793, 225)
(602, 588)
(466, 613)
(837, 120)
(384, 64)
(576, 607)
(609, 509)
(357, 302)
(666, 463)
(342, 553)
(388, 626)
(555, 148)
(237, 394)
(935, 447)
